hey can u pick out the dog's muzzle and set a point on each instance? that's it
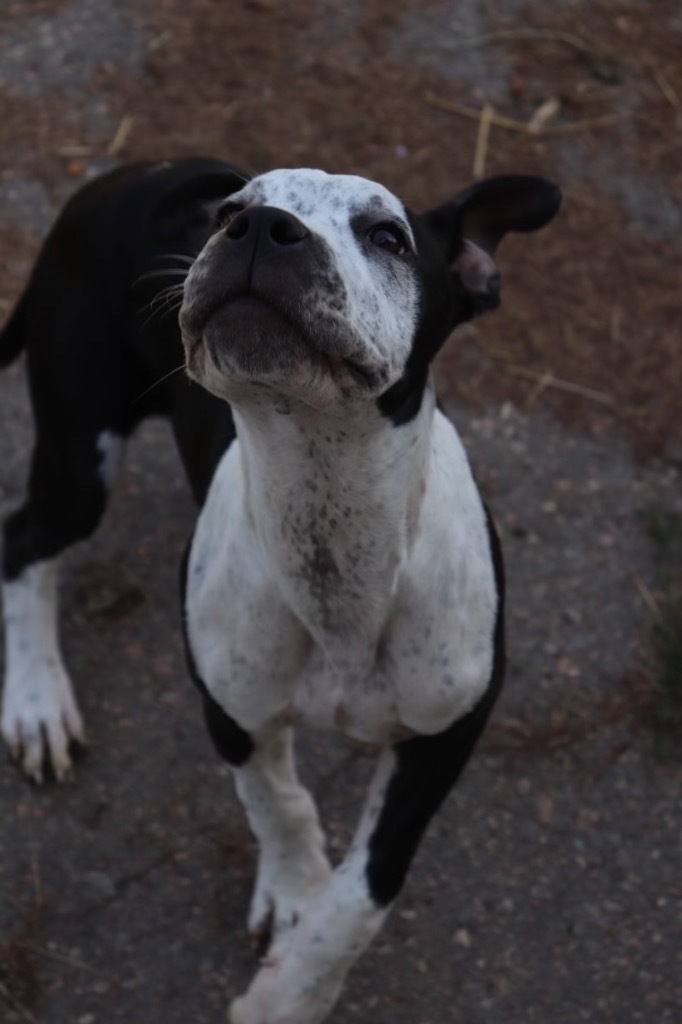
(249, 259)
(264, 297)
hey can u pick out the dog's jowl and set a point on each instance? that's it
(344, 571)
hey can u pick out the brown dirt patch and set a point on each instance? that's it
(590, 305)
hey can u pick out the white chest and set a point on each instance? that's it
(355, 626)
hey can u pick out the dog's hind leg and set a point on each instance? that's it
(70, 477)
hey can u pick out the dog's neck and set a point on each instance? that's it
(334, 502)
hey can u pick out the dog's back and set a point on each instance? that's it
(104, 278)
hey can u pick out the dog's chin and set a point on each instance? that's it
(247, 345)
(248, 338)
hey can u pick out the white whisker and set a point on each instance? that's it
(160, 381)
(182, 256)
(161, 305)
(164, 294)
(168, 272)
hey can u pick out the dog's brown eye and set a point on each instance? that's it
(390, 238)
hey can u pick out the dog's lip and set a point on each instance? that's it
(194, 316)
(194, 321)
(194, 333)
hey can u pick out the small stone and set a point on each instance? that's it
(462, 938)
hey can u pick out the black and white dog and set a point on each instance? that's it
(344, 570)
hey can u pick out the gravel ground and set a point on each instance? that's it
(548, 889)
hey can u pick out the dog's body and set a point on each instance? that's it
(344, 571)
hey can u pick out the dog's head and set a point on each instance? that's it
(327, 289)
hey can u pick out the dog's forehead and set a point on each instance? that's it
(307, 192)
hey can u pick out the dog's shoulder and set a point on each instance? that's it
(452, 510)
(448, 598)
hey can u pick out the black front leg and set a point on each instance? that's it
(427, 768)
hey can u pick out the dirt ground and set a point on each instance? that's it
(549, 888)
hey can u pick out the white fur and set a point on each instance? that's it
(373, 322)
(400, 644)
(401, 641)
(292, 863)
(40, 715)
(379, 308)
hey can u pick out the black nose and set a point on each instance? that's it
(267, 226)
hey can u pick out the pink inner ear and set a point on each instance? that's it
(476, 269)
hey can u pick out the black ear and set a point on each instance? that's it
(188, 208)
(470, 226)
(488, 209)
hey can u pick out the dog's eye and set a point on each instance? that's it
(390, 238)
(225, 213)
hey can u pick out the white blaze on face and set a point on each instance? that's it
(382, 292)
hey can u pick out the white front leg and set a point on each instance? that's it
(292, 863)
(40, 715)
(304, 971)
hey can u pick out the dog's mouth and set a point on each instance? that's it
(260, 337)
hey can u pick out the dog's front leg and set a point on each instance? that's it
(292, 863)
(40, 715)
(304, 970)
(303, 974)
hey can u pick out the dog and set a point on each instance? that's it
(344, 571)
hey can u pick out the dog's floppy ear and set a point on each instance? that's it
(188, 208)
(469, 227)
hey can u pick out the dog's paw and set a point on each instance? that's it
(266, 1002)
(242, 1012)
(40, 720)
(257, 1005)
(287, 990)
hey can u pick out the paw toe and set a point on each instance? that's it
(43, 747)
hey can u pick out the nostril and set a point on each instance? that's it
(265, 225)
(287, 231)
